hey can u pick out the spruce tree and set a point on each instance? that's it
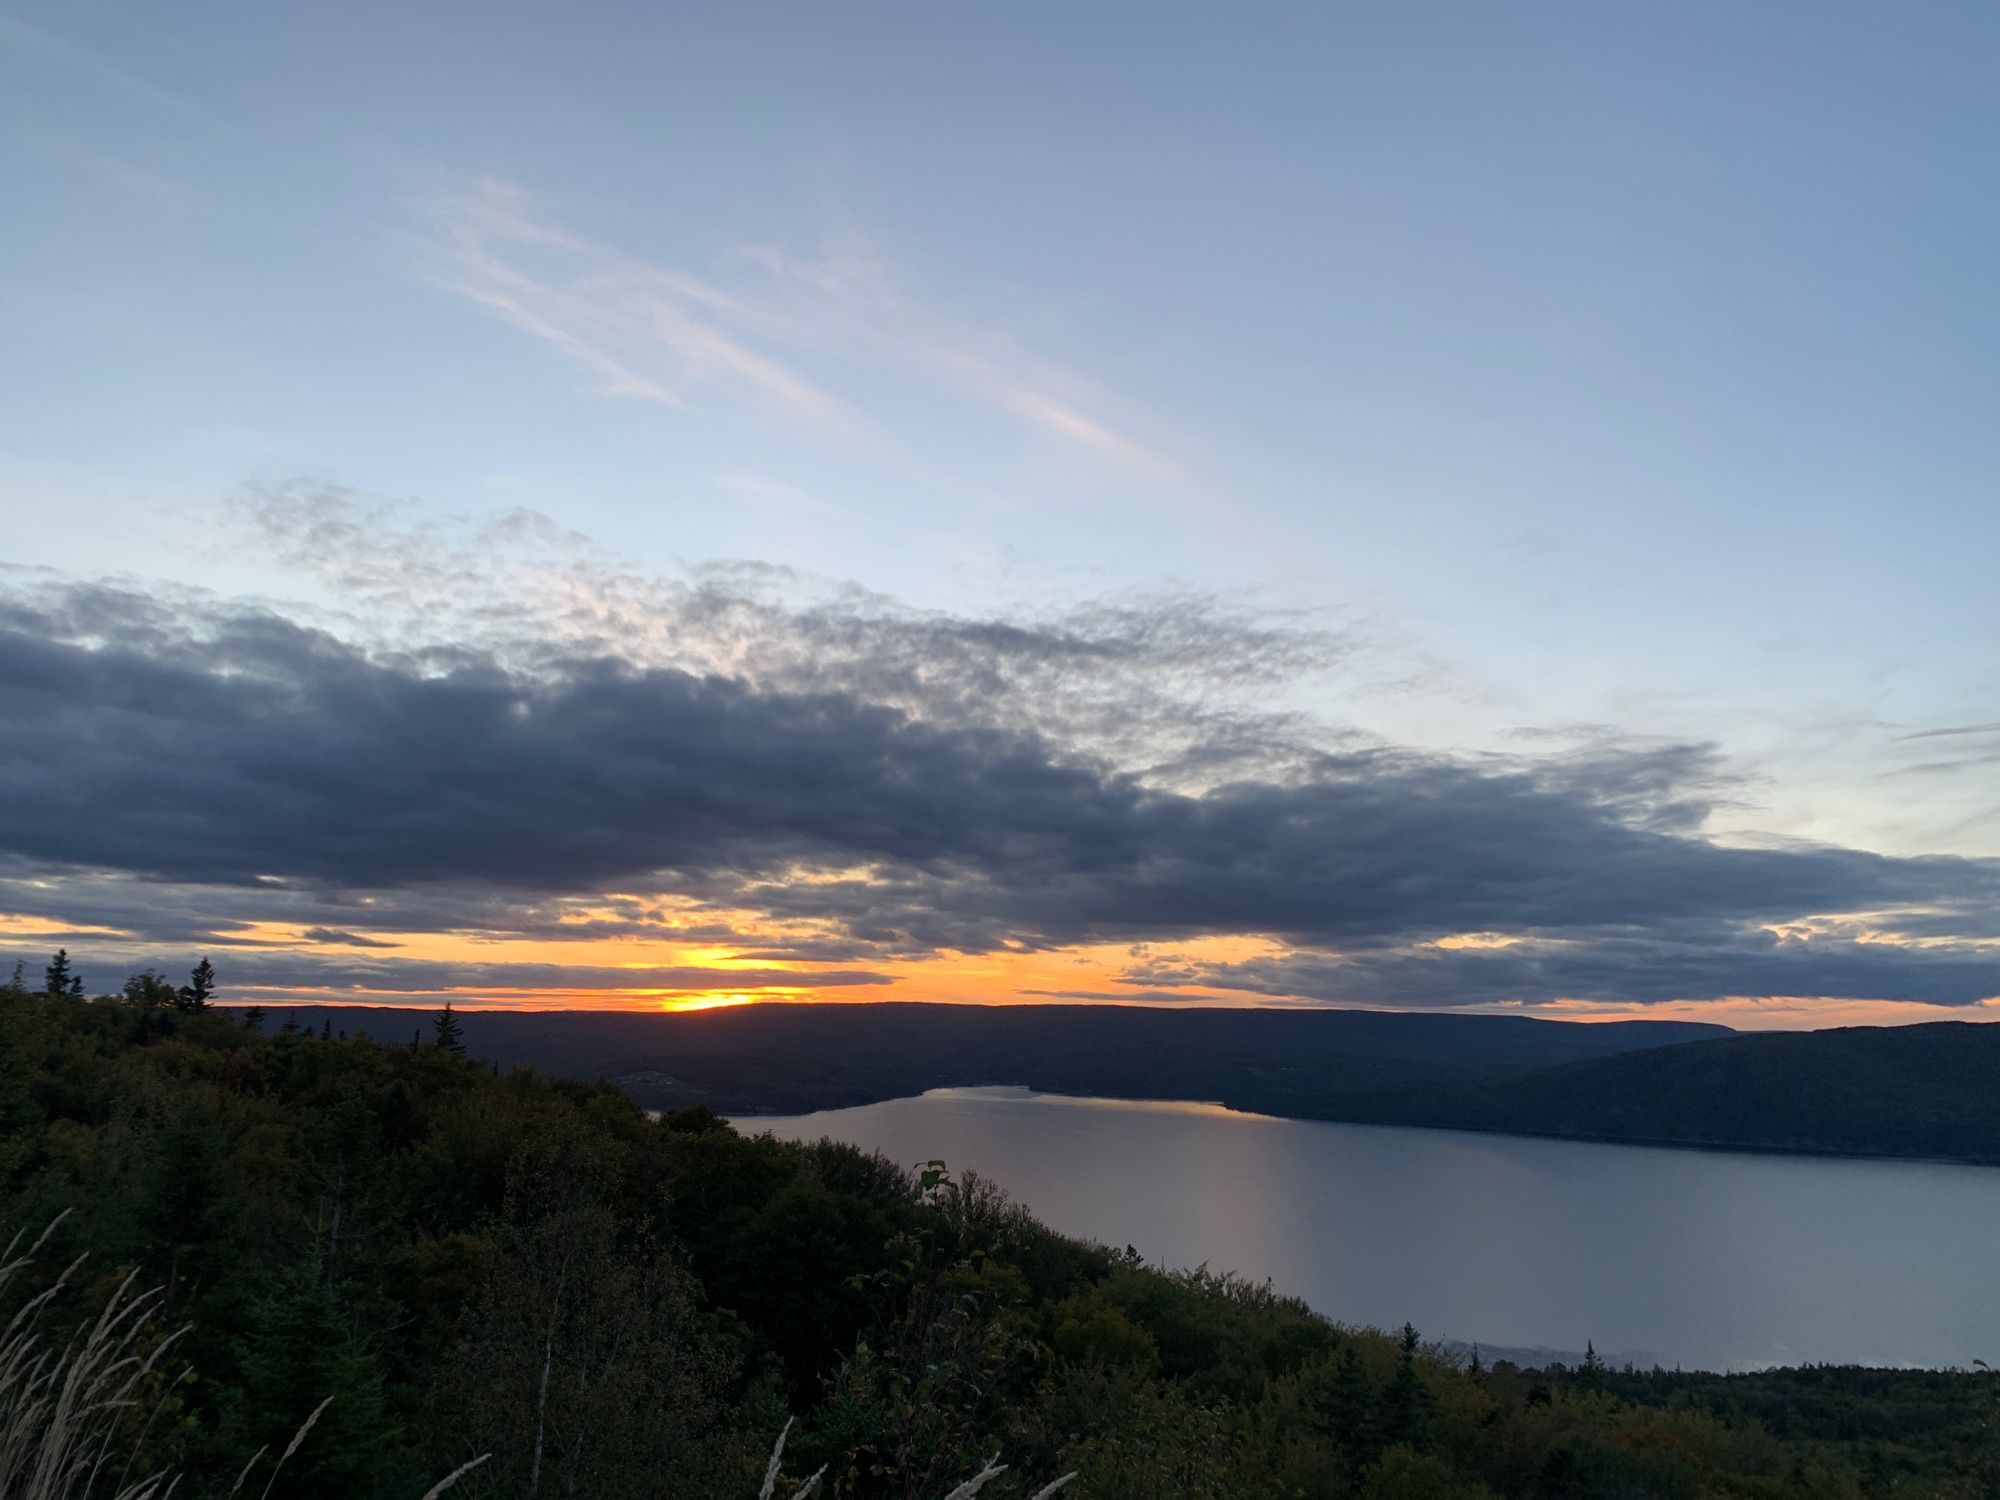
(253, 1018)
(148, 991)
(450, 1036)
(1406, 1400)
(291, 1026)
(326, 1028)
(1590, 1374)
(59, 978)
(196, 993)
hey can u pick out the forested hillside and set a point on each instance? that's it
(1925, 1091)
(470, 1262)
(791, 1059)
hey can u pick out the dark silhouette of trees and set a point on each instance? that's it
(147, 990)
(444, 1263)
(200, 988)
(59, 978)
(450, 1035)
(1406, 1401)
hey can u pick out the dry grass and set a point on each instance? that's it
(67, 1405)
(70, 1425)
(966, 1491)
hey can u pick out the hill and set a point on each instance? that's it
(1928, 1091)
(434, 1261)
(792, 1059)
(1914, 1091)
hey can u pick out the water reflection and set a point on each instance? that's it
(1699, 1259)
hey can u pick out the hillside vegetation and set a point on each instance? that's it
(792, 1059)
(465, 1261)
(1924, 1091)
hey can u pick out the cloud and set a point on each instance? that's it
(334, 937)
(1633, 967)
(305, 974)
(846, 783)
(1952, 731)
(1186, 683)
(661, 333)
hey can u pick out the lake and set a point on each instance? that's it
(1706, 1260)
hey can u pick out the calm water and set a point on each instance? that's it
(1701, 1259)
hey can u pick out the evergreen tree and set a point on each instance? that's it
(182, 1202)
(1590, 1374)
(291, 1026)
(253, 1018)
(59, 978)
(148, 991)
(302, 1351)
(450, 1035)
(1406, 1401)
(326, 1028)
(200, 988)
(153, 1001)
(18, 985)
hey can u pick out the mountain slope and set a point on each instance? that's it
(1929, 1091)
(788, 1059)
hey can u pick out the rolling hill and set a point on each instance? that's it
(1924, 1091)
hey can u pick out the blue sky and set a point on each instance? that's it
(1603, 377)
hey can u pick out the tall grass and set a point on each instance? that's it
(74, 1413)
(966, 1491)
(68, 1404)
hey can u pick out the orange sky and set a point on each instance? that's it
(1082, 974)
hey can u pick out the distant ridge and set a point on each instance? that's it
(1928, 1091)
(792, 1059)
(1908, 1091)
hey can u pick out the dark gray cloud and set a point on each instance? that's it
(305, 973)
(335, 937)
(1177, 681)
(1635, 967)
(200, 769)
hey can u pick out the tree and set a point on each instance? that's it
(326, 1028)
(59, 978)
(196, 993)
(147, 991)
(587, 1368)
(253, 1018)
(304, 1352)
(291, 1026)
(18, 985)
(450, 1035)
(1405, 1401)
(1590, 1374)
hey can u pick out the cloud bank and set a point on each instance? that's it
(818, 790)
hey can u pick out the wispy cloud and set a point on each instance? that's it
(659, 332)
(1955, 731)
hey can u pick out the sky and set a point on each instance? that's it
(1434, 506)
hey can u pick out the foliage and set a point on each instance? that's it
(443, 1262)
